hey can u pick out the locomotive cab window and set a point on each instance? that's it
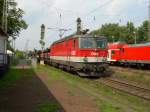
(113, 52)
(89, 42)
(100, 43)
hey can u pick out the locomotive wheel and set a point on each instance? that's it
(91, 74)
(68, 68)
(82, 74)
(139, 66)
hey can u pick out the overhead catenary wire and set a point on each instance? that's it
(114, 15)
(89, 13)
(92, 11)
(79, 13)
(60, 11)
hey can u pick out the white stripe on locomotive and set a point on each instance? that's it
(78, 59)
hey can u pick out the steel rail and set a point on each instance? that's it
(126, 87)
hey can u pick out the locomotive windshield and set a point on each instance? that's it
(92, 42)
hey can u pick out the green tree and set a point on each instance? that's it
(123, 34)
(15, 20)
(20, 54)
(131, 31)
(112, 31)
(115, 32)
(142, 32)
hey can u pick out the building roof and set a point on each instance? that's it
(3, 33)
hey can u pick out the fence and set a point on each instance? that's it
(4, 62)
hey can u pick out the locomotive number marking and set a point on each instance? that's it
(73, 53)
(94, 54)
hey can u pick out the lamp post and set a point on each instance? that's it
(6, 5)
(149, 21)
(4, 18)
(14, 39)
(113, 39)
(135, 39)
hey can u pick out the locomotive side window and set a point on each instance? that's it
(74, 43)
(86, 43)
(100, 43)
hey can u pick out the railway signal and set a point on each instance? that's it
(79, 27)
(42, 36)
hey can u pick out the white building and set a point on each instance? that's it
(3, 44)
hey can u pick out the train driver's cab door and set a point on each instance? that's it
(109, 55)
(74, 47)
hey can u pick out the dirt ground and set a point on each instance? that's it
(36, 89)
(72, 99)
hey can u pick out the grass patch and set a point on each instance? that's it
(109, 100)
(138, 77)
(12, 76)
(108, 107)
(14, 62)
(48, 107)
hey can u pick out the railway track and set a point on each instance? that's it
(135, 70)
(126, 87)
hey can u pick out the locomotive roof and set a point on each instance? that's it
(142, 44)
(116, 45)
(77, 36)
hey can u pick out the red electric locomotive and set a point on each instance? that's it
(124, 54)
(114, 50)
(85, 54)
(136, 54)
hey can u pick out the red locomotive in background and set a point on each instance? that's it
(114, 51)
(138, 54)
(85, 54)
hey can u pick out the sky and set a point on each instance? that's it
(63, 14)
